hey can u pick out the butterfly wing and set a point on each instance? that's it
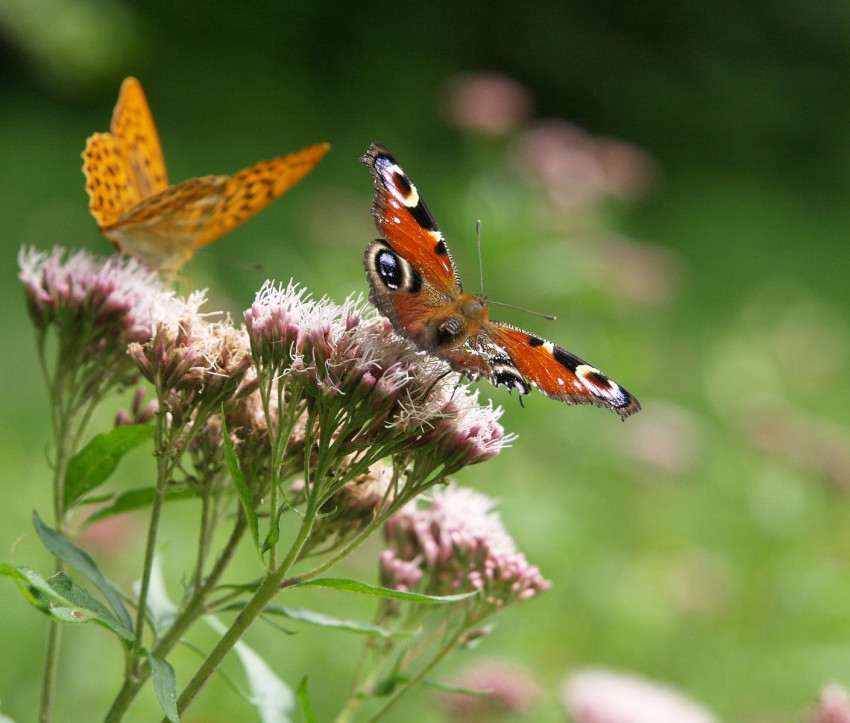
(407, 224)
(134, 129)
(164, 229)
(126, 165)
(519, 360)
(411, 273)
(252, 189)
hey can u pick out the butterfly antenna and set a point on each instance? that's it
(480, 262)
(550, 317)
(234, 262)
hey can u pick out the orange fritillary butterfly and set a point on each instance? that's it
(162, 225)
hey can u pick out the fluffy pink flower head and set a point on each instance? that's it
(460, 544)
(469, 432)
(108, 301)
(192, 362)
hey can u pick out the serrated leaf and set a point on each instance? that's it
(366, 589)
(94, 463)
(304, 702)
(78, 558)
(245, 496)
(137, 499)
(64, 600)
(165, 686)
(272, 698)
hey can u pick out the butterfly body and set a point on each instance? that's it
(163, 225)
(414, 282)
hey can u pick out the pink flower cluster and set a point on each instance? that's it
(109, 300)
(458, 544)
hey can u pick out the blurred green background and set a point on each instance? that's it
(702, 543)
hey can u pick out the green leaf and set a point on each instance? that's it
(245, 496)
(137, 499)
(78, 558)
(165, 686)
(366, 589)
(94, 463)
(64, 600)
(326, 621)
(274, 529)
(304, 701)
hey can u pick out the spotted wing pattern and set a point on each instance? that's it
(162, 225)
(413, 281)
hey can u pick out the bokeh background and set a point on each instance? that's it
(670, 179)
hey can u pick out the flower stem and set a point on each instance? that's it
(64, 440)
(192, 609)
(163, 468)
(269, 587)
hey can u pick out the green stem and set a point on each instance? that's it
(255, 606)
(193, 608)
(153, 528)
(64, 440)
(408, 685)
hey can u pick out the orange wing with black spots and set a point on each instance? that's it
(405, 222)
(162, 225)
(413, 281)
(556, 372)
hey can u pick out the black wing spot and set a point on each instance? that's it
(423, 217)
(565, 359)
(440, 249)
(388, 268)
(535, 340)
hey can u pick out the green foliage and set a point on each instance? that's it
(95, 463)
(78, 558)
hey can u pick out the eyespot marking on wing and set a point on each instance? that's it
(394, 272)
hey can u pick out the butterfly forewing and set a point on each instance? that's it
(404, 220)
(555, 371)
(133, 126)
(110, 189)
(252, 189)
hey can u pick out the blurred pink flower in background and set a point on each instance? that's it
(666, 436)
(833, 707)
(575, 169)
(511, 690)
(801, 440)
(487, 103)
(633, 271)
(601, 696)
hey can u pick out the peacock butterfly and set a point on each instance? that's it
(413, 281)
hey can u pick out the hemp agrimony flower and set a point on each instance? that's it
(455, 545)
(96, 307)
